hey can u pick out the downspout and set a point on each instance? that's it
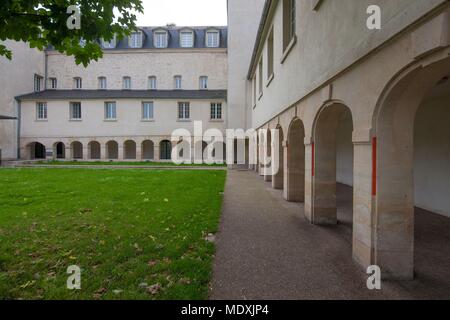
(19, 117)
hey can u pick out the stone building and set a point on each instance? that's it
(367, 108)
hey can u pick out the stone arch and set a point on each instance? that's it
(76, 150)
(326, 130)
(36, 150)
(148, 150)
(112, 150)
(278, 176)
(59, 150)
(94, 150)
(129, 150)
(268, 156)
(393, 185)
(294, 181)
(165, 149)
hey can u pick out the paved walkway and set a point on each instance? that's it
(267, 250)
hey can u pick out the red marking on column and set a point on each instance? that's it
(374, 166)
(312, 160)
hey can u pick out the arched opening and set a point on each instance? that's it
(268, 155)
(76, 149)
(59, 150)
(278, 176)
(129, 147)
(112, 150)
(294, 189)
(148, 150)
(200, 149)
(412, 207)
(165, 149)
(94, 150)
(333, 166)
(36, 151)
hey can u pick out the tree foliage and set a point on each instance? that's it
(43, 23)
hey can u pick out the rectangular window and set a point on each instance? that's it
(260, 78)
(183, 110)
(53, 83)
(41, 111)
(75, 110)
(216, 111)
(152, 83)
(254, 90)
(212, 39)
(37, 83)
(102, 83)
(147, 110)
(204, 83)
(160, 39)
(288, 22)
(110, 110)
(127, 83)
(186, 39)
(177, 82)
(270, 52)
(136, 40)
(77, 83)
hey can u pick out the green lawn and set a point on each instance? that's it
(135, 234)
(123, 163)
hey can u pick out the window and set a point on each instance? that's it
(75, 110)
(203, 82)
(53, 83)
(109, 44)
(254, 90)
(37, 83)
(270, 56)
(147, 110)
(77, 83)
(186, 39)
(288, 22)
(160, 39)
(183, 110)
(212, 39)
(216, 111)
(260, 78)
(126, 83)
(41, 111)
(102, 83)
(110, 110)
(152, 83)
(135, 40)
(177, 82)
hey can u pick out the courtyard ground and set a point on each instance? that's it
(266, 249)
(136, 234)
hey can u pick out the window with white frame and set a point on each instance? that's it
(178, 83)
(53, 83)
(37, 82)
(127, 83)
(152, 83)
(77, 83)
(187, 39)
(212, 39)
(75, 111)
(102, 83)
(270, 55)
(41, 110)
(160, 39)
(111, 44)
(216, 111)
(135, 40)
(203, 82)
(183, 110)
(110, 111)
(147, 110)
(254, 90)
(260, 78)
(288, 22)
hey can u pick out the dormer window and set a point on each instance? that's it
(160, 39)
(102, 83)
(203, 82)
(109, 44)
(152, 83)
(212, 39)
(77, 83)
(135, 40)
(126, 83)
(177, 80)
(186, 39)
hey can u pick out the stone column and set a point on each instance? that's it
(85, 152)
(309, 179)
(138, 151)
(102, 152)
(278, 177)
(156, 152)
(120, 152)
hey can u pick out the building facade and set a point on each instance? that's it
(363, 107)
(126, 105)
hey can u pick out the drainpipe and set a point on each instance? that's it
(19, 117)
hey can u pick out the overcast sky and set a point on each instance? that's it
(183, 13)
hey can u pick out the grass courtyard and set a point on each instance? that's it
(135, 234)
